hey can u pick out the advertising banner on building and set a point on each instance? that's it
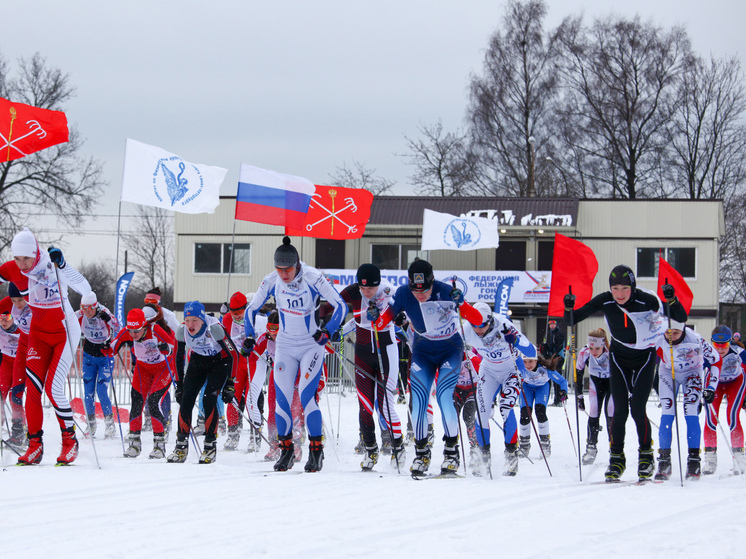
(528, 287)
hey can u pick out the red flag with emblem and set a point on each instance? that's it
(336, 212)
(667, 274)
(25, 129)
(574, 265)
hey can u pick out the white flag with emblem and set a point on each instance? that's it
(448, 232)
(155, 177)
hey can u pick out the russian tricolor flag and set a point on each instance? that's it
(273, 198)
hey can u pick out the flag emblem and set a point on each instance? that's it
(174, 179)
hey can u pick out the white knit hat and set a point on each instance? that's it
(24, 244)
(89, 299)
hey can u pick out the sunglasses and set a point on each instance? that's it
(273, 328)
(135, 330)
(87, 307)
(721, 345)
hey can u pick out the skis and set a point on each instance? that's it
(620, 482)
(449, 475)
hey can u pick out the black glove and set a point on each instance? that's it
(668, 292)
(321, 336)
(581, 403)
(179, 392)
(457, 296)
(708, 395)
(400, 318)
(106, 344)
(103, 315)
(55, 255)
(562, 396)
(164, 348)
(372, 314)
(229, 392)
(509, 336)
(248, 346)
(569, 301)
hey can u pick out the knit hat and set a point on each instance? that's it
(237, 302)
(485, 310)
(24, 244)
(89, 299)
(421, 276)
(195, 308)
(676, 325)
(135, 319)
(721, 334)
(149, 313)
(368, 275)
(13, 291)
(622, 275)
(286, 255)
(6, 305)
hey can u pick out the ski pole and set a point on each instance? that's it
(245, 415)
(114, 392)
(675, 391)
(173, 382)
(339, 386)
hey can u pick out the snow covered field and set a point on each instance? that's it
(238, 507)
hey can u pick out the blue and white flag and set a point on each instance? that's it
(447, 232)
(120, 297)
(502, 296)
(155, 177)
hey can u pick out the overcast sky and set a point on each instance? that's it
(297, 87)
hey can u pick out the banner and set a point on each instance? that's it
(574, 265)
(120, 297)
(25, 129)
(272, 198)
(667, 273)
(447, 232)
(336, 213)
(502, 296)
(155, 177)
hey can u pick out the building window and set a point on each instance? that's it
(511, 255)
(396, 257)
(215, 258)
(330, 254)
(545, 256)
(683, 260)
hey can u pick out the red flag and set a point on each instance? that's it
(336, 213)
(574, 265)
(25, 129)
(667, 273)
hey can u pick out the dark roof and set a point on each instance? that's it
(408, 210)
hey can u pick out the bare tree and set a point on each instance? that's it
(102, 281)
(151, 250)
(361, 177)
(57, 180)
(511, 107)
(621, 78)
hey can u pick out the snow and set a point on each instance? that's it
(240, 507)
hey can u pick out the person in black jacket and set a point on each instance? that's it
(553, 349)
(636, 319)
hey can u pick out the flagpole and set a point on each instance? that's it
(230, 266)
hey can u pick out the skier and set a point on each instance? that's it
(99, 327)
(536, 375)
(635, 319)
(432, 308)
(21, 313)
(494, 339)
(595, 357)
(689, 354)
(367, 299)
(296, 288)
(9, 338)
(465, 400)
(233, 323)
(151, 378)
(554, 348)
(45, 277)
(729, 381)
(213, 360)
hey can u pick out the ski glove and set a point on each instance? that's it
(179, 392)
(569, 301)
(321, 336)
(457, 296)
(103, 315)
(581, 404)
(562, 397)
(164, 348)
(55, 255)
(708, 395)
(668, 292)
(248, 346)
(509, 336)
(229, 392)
(372, 314)
(400, 319)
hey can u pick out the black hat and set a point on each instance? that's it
(421, 276)
(622, 275)
(368, 275)
(286, 255)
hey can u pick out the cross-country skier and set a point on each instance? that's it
(9, 338)
(296, 288)
(21, 313)
(729, 381)
(689, 354)
(432, 308)
(213, 359)
(46, 277)
(595, 357)
(233, 323)
(635, 319)
(554, 348)
(99, 327)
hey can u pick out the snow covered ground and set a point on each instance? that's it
(238, 507)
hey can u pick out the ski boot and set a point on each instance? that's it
(255, 441)
(17, 434)
(34, 452)
(274, 451)
(287, 455)
(360, 446)
(209, 451)
(664, 464)
(370, 459)
(511, 460)
(693, 470)
(524, 445)
(590, 454)
(179, 455)
(233, 436)
(739, 460)
(481, 462)
(199, 429)
(451, 460)
(421, 458)
(430, 436)
(398, 453)
(315, 455)
(70, 446)
(133, 451)
(711, 461)
(159, 447)
(645, 463)
(110, 431)
(386, 443)
(617, 465)
(222, 428)
(546, 446)
(92, 425)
